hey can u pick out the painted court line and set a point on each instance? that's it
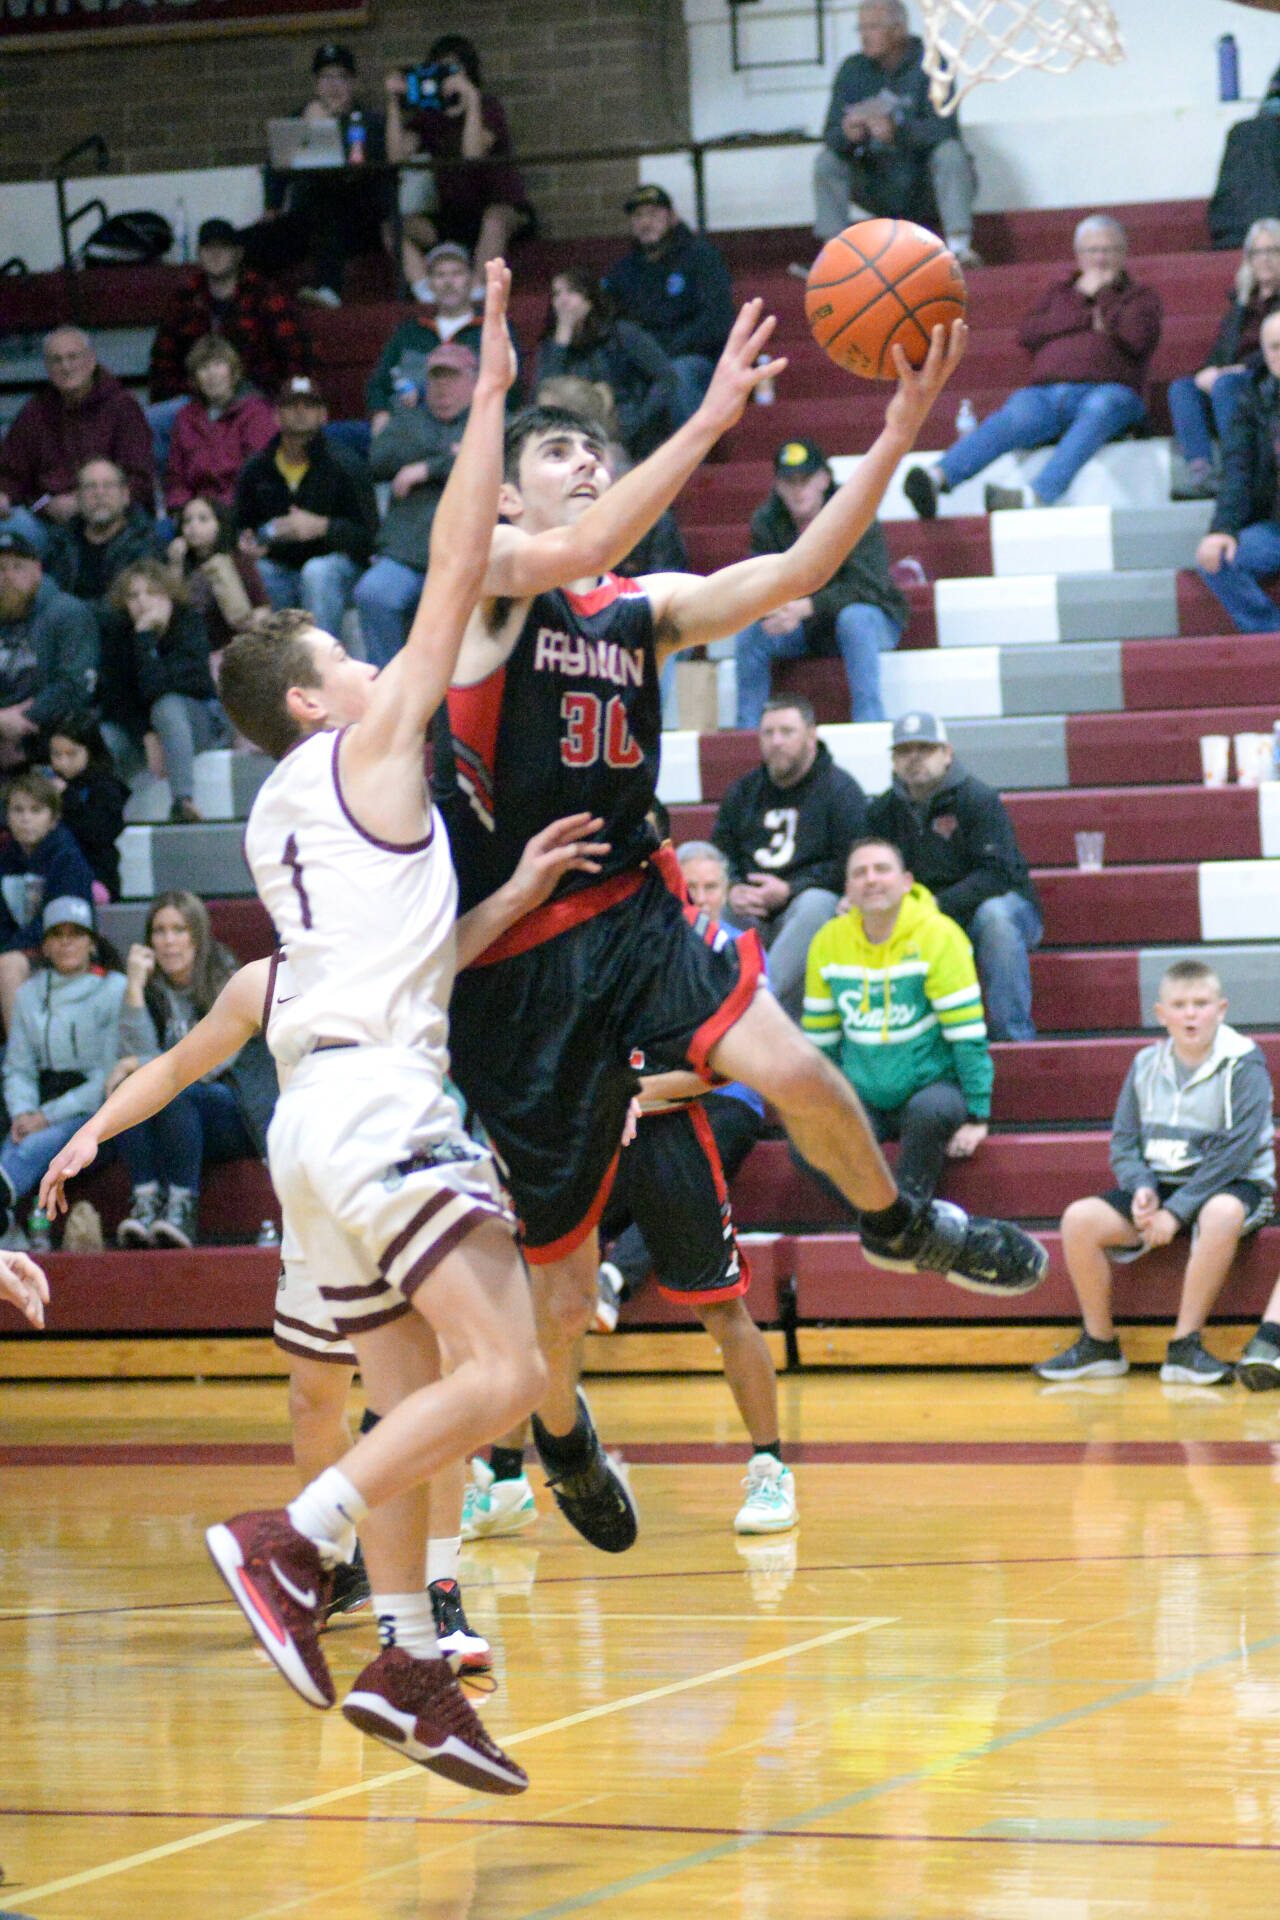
(231, 1829)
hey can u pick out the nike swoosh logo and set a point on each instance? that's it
(307, 1600)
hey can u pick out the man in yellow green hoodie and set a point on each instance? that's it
(891, 995)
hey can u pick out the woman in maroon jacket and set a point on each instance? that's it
(1090, 337)
(218, 430)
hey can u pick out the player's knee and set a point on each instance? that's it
(802, 1083)
(515, 1385)
(314, 1403)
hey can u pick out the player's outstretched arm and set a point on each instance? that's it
(564, 847)
(689, 611)
(234, 1017)
(23, 1284)
(524, 564)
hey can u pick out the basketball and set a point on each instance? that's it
(880, 284)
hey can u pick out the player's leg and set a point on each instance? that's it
(769, 1505)
(318, 1392)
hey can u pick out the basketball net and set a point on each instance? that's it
(967, 42)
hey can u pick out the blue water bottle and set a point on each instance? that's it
(1228, 68)
(355, 139)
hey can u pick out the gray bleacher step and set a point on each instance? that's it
(207, 859)
(1015, 753)
(1118, 606)
(227, 782)
(1084, 677)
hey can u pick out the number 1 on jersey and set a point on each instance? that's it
(580, 745)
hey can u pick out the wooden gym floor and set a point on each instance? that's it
(1021, 1661)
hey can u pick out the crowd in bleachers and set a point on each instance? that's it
(135, 539)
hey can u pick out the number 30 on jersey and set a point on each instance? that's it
(596, 729)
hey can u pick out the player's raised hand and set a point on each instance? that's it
(918, 388)
(741, 367)
(497, 354)
(23, 1283)
(80, 1152)
(563, 847)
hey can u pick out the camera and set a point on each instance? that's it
(423, 83)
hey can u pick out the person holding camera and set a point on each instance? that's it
(438, 109)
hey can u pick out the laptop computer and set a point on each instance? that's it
(296, 144)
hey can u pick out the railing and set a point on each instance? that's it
(95, 146)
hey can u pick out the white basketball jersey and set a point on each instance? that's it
(368, 926)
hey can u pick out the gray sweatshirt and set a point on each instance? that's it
(1198, 1137)
(68, 1024)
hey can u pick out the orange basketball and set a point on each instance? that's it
(879, 284)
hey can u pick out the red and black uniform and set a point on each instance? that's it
(544, 1026)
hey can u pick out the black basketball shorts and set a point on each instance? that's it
(671, 1185)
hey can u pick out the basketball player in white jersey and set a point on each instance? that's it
(392, 1203)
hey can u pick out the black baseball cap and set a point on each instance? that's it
(333, 54)
(923, 729)
(650, 196)
(217, 233)
(797, 459)
(17, 543)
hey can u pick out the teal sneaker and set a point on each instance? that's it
(491, 1507)
(770, 1505)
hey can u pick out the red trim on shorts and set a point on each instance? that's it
(707, 1141)
(689, 1298)
(557, 916)
(731, 1010)
(611, 588)
(569, 1242)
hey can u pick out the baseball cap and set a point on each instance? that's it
(68, 910)
(446, 250)
(300, 387)
(17, 543)
(333, 54)
(923, 727)
(217, 233)
(649, 196)
(797, 459)
(452, 357)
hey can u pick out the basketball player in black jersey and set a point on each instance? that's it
(554, 709)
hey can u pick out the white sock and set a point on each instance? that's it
(405, 1620)
(328, 1512)
(442, 1559)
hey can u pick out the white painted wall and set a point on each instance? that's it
(29, 209)
(1150, 128)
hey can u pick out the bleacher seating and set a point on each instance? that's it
(1077, 661)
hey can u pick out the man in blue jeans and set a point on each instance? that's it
(1091, 337)
(859, 614)
(1242, 547)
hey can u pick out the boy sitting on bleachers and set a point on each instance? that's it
(1192, 1150)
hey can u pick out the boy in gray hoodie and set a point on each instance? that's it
(1192, 1147)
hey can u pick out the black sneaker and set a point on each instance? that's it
(982, 1256)
(596, 1500)
(1085, 1359)
(1188, 1364)
(469, 1651)
(1259, 1364)
(350, 1586)
(920, 489)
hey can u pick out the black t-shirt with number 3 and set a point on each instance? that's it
(572, 723)
(801, 833)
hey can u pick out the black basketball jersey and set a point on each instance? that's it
(571, 723)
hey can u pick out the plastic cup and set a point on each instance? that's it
(1253, 758)
(1215, 758)
(1089, 851)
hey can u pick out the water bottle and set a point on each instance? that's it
(268, 1235)
(39, 1236)
(966, 418)
(764, 390)
(405, 389)
(1275, 751)
(1228, 68)
(181, 231)
(355, 139)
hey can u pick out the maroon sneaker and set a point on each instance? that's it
(282, 1587)
(417, 1707)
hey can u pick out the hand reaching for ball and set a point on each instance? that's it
(918, 388)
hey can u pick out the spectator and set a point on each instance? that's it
(1191, 1148)
(859, 614)
(892, 997)
(885, 148)
(224, 584)
(956, 836)
(221, 428)
(328, 215)
(172, 978)
(481, 204)
(1203, 404)
(163, 680)
(453, 317)
(1242, 547)
(39, 861)
(82, 413)
(105, 534)
(675, 285)
(62, 1045)
(93, 796)
(48, 650)
(304, 513)
(1259, 1365)
(1248, 185)
(415, 453)
(785, 831)
(1090, 337)
(583, 336)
